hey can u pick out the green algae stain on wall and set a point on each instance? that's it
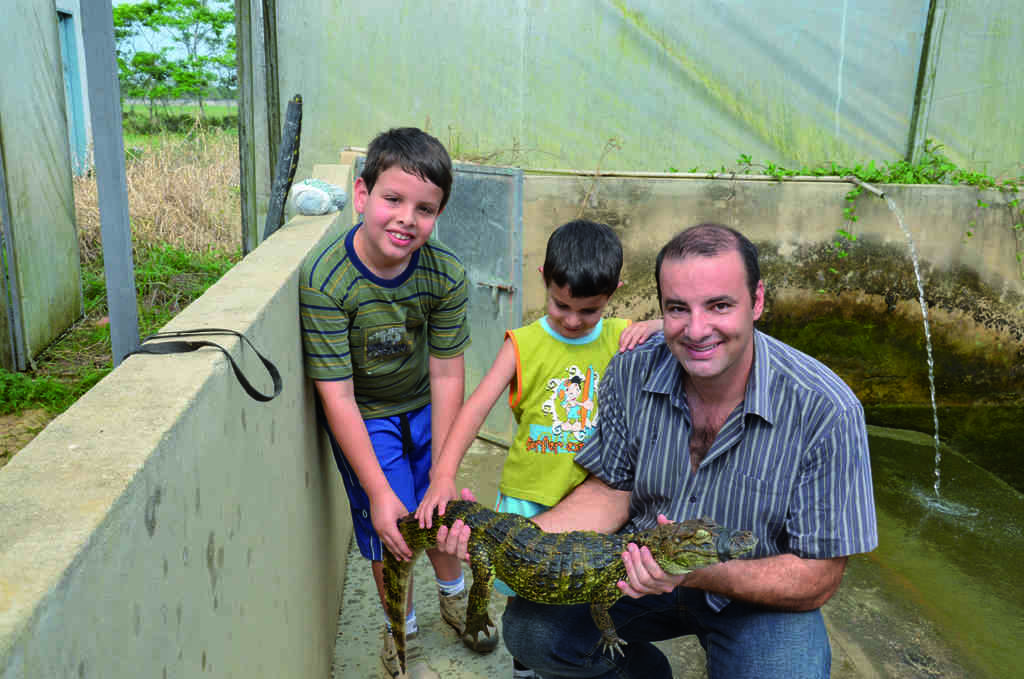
(866, 324)
(881, 354)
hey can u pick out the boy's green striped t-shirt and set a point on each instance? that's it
(382, 332)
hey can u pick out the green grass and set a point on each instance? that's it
(167, 279)
(138, 143)
(140, 130)
(22, 392)
(209, 110)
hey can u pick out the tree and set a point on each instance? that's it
(144, 72)
(203, 56)
(146, 76)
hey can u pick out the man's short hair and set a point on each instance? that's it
(414, 151)
(586, 256)
(710, 240)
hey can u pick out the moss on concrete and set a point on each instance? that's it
(864, 320)
(882, 352)
(884, 270)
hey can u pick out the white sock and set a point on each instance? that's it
(410, 623)
(411, 627)
(451, 587)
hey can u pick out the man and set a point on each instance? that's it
(713, 419)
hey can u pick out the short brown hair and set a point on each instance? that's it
(414, 151)
(709, 240)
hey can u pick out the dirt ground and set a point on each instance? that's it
(17, 430)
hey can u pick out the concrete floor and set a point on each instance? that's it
(873, 633)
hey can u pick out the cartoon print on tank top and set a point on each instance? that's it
(573, 411)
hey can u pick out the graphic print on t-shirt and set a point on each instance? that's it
(573, 411)
(386, 342)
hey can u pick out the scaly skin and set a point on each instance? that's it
(552, 568)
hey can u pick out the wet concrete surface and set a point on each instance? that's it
(875, 632)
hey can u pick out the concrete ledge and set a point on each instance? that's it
(956, 228)
(169, 525)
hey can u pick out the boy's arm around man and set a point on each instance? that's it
(782, 581)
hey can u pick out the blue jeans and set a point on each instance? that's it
(741, 641)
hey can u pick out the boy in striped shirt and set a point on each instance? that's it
(383, 312)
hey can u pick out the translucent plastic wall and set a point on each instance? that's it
(654, 84)
(977, 106)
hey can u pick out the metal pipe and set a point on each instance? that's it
(864, 185)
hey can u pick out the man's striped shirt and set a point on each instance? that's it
(381, 332)
(791, 462)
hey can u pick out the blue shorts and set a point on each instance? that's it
(402, 444)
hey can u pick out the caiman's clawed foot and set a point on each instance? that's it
(476, 630)
(481, 634)
(612, 644)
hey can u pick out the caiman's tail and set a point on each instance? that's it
(396, 591)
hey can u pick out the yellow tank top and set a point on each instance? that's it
(554, 400)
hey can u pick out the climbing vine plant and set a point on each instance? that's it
(933, 168)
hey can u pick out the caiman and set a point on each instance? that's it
(552, 568)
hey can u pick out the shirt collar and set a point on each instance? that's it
(666, 377)
(594, 333)
(666, 374)
(758, 400)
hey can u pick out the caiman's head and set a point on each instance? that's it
(682, 547)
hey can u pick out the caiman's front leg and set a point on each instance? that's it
(610, 640)
(478, 618)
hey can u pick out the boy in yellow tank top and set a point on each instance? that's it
(551, 369)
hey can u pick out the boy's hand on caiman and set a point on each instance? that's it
(455, 541)
(384, 514)
(439, 493)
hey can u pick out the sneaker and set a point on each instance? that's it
(389, 654)
(415, 664)
(453, 611)
(521, 671)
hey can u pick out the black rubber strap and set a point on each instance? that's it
(183, 346)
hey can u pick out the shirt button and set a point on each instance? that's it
(693, 499)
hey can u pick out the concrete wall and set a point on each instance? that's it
(953, 228)
(167, 524)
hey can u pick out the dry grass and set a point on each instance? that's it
(182, 190)
(183, 194)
